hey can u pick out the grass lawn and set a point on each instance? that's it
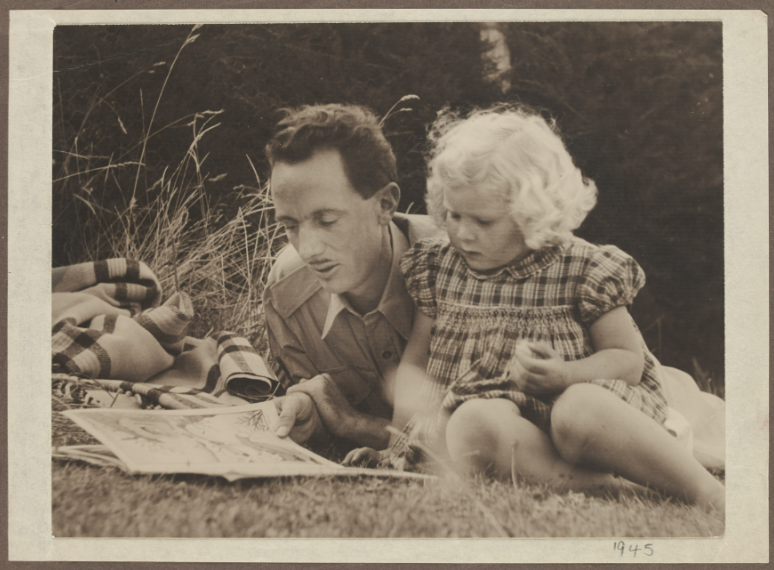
(91, 501)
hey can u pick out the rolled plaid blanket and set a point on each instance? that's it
(108, 321)
(109, 324)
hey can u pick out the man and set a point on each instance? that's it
(337, 310)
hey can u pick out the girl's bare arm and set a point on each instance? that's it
(618, 351)
(411, 372)
(408, 381)
(617, 355)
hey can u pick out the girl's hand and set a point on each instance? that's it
(543, 370)
(365, 457)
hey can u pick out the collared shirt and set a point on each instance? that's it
(313, 332)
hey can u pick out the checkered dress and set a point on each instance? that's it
(553, 295)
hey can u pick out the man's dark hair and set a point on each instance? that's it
(351, 129)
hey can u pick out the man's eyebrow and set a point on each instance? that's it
(315, 214)
(323, 211)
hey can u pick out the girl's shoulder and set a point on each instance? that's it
(421, 266)
(587, 256)
(606, 277)
(425, 254)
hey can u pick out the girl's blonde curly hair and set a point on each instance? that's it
(522, 153)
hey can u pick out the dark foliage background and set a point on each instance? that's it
(639, 105)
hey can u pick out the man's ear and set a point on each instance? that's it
(387, 200)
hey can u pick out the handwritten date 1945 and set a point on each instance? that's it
(633, 549)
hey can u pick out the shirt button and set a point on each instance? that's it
(386, 354)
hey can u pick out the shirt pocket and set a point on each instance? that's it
(353, 383)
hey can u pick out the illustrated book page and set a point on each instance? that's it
(233, 442)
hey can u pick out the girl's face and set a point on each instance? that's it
(481, 228)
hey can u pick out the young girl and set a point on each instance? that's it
(523, 347)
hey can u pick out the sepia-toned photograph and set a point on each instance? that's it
(469, 276)
(255, 170)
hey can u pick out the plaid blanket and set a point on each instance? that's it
(110, 325)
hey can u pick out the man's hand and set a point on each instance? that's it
(337, 414)
(366, 457)
(335, 411)
(298, 417)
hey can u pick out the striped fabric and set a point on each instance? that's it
(72, 390)
(109, 324)
(121, 283)
(242, 370)
(553, 295)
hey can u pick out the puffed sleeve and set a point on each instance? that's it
(611, 279)
(420, 266)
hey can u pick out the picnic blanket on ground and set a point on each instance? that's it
(110, 325)
(698, 418)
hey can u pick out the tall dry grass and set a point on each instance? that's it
(218, 251)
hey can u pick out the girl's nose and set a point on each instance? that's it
(465, 232)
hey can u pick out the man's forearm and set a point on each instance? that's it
(365, 430)
(339, 417)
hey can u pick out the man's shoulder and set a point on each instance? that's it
(290, 283)
(417, 226)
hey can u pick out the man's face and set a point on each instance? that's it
(337, 232)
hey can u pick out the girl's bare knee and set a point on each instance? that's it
(474, 431)
(467, 433)
(575, 418)
(479, 416)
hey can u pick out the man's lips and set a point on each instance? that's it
(323, 268)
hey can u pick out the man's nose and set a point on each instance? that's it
(309, 245)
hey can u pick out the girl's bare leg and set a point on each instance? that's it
(491, 436)
(590, 424)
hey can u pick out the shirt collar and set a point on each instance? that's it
(395, 305)
(524, 267)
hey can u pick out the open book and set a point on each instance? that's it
(233, 442)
